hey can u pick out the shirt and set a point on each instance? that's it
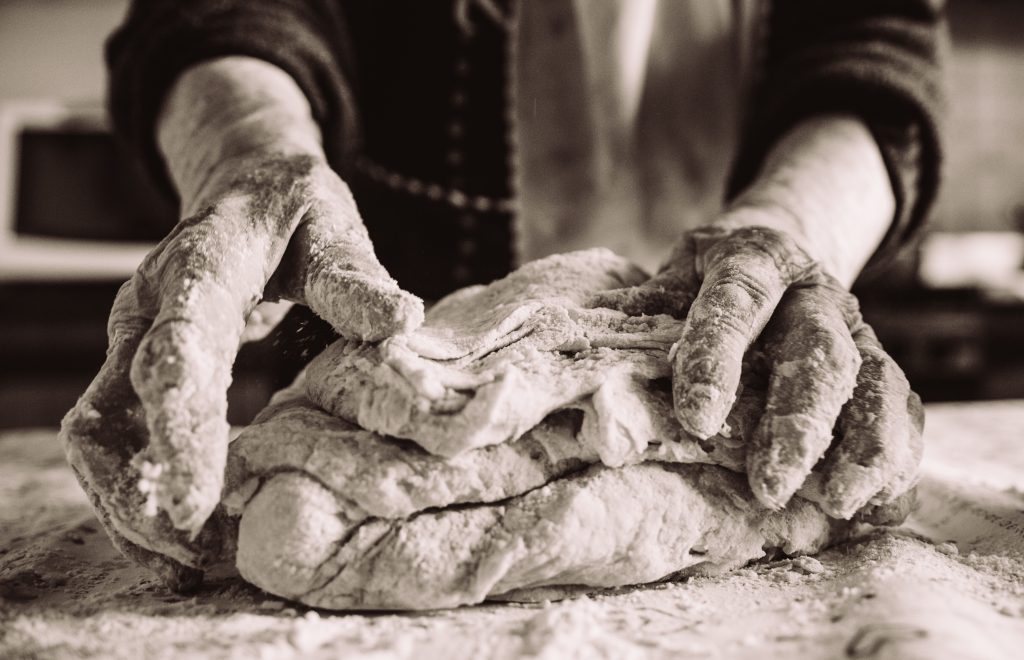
(418, 101)
(628, 117)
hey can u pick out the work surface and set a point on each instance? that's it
(949, 584)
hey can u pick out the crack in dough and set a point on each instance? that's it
(519, 440)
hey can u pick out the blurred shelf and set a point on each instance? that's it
(53, 341)
(954, 345)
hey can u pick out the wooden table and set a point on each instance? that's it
(948, 584)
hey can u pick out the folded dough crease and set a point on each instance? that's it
(519, 439)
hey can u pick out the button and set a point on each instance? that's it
(456, 130)
(457, 198)
(461, 273)
(467, 248)
(467, 222)
(454, 157)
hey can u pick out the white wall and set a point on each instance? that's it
(54, 48)
(984, 177)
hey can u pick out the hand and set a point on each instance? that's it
(828, 373)
(149, 437)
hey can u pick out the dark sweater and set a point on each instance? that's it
(381, 76)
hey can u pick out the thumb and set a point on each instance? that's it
(343, 282)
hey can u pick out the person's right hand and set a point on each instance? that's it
(148, 439)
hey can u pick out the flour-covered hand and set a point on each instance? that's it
(267, 218)
(754, 287)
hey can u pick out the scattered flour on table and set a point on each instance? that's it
(66, 593)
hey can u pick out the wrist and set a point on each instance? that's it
(780, 218)
(824, 184)
(222, 111)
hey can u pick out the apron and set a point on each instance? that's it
(628, 115)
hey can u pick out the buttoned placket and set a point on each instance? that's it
(468, 221)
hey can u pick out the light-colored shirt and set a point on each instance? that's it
(628, 116)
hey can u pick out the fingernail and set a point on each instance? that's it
(182, 579)
(370, 310)
(785, 449)
(698, 408)
(847, 490)
(775, 490)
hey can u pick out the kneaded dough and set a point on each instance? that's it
(338, 517)
(490, 362)
(518, 440)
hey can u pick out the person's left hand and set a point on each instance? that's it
(828, 373)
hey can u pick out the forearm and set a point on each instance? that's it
(226, 108)
(825, 184)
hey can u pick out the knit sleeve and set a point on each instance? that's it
(159, 39)
(877, 59)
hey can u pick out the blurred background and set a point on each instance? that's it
(76, 216)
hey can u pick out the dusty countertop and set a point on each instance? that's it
(949, 584)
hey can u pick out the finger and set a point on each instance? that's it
(342, 281)
(813, 362)
(669, 292)
(745, 276)
(176, 576)
(879, 449)
(890, 514)
(102, 434)
(206, 277)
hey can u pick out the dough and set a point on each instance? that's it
(491, 362)
(518, 440)
(336, 516)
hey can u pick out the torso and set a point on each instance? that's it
(628, 115)
(471, 164)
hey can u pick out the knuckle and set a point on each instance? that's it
(803, 331)
(880, 373)
(176, 355)
(742, 281)
(735, 303)
(826, 349)
(867, 450)
(915, 409)
(773, 252)
(271, 192)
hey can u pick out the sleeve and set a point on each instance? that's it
(159, 39)
(878, 59)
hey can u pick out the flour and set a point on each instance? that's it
(65, 592)
(539, 449)
(869, 596)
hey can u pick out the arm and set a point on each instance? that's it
(263, 216)
(880, 62)
(161, 39)
(840, 163)
(227, 109)
(825, 184)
